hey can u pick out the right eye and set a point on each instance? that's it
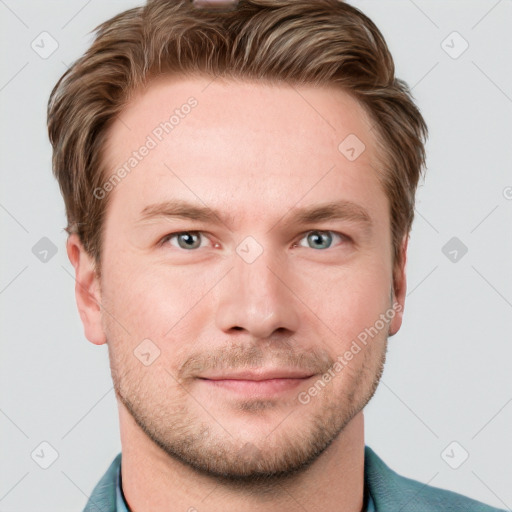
(183, 239)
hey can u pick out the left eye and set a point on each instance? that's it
(320, 239)
(184, 240)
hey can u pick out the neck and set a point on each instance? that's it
(152, 480)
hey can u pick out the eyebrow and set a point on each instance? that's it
(335, 210)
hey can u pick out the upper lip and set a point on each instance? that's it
(261, 374)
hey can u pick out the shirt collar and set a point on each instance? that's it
(121, 505)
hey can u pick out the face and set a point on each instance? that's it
(244, 257)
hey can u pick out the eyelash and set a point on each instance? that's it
(344, 238)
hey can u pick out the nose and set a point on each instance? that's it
(257, 297)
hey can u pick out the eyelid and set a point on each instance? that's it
(168, 237)
(342, 236)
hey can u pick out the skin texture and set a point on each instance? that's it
(256, 153)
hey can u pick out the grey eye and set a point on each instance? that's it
(187, 240)
(319, 239)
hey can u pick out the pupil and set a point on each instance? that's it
(317, 239)
(188, 239)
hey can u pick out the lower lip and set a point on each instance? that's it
(257, 387)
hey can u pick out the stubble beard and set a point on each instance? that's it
(210, 449)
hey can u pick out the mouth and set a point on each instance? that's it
(261, 383)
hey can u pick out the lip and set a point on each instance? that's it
(256, 388)
(259, 375)
(262, 383)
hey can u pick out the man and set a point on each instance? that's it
(239, 182)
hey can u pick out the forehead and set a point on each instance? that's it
(241, 143)
(323, 113)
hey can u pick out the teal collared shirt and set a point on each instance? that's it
(385, 491)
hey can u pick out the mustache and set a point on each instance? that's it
(239, 357)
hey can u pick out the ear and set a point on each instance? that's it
(87, 290)
(399, 288)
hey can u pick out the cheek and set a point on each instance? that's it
(155, 302)
(347, 300)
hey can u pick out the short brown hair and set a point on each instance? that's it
(302, 42)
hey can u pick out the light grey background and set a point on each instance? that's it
(448, 371)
